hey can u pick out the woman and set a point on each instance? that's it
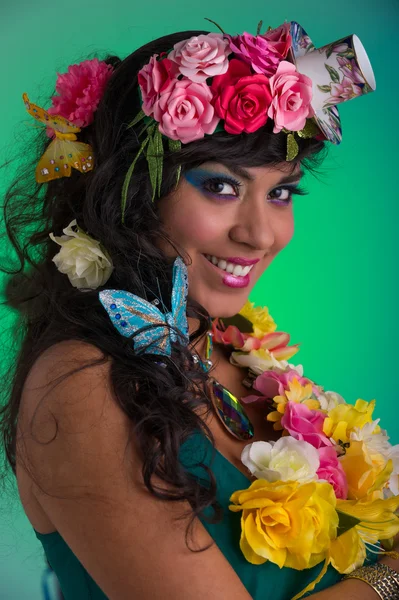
(111, 443)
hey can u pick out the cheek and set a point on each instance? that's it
(193, 226)
(284, 231)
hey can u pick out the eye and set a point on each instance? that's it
(284, 195)
(222, 186)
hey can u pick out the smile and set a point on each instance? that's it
(233, 269)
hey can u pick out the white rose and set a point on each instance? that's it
(287, 459)
(82, 259)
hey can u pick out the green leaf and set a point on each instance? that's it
(292, 147)
(347, 54)
(218, 26)
(159, 159)
(329, 50)
(333, 73)
(325, 88)
(137, 119)
(259, 27)
(175, 146)
(310, 129)
(346, 522)
(178, 175)
(128, 178)
(152, 163)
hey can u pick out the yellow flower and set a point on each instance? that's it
(288, 523)
(342, 419)
(296, 393)
(377, 522)
(366, 472)
(260, 318)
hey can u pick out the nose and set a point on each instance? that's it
(254, 226)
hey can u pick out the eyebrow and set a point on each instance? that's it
(244, 174)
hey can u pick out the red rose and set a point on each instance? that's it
(241, 98)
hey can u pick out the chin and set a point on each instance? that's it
(225, 309)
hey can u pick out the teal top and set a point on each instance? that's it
(261, 581)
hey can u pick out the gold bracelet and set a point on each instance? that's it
(383, 579)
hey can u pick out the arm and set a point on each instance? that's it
(354, 589)
(93, 492)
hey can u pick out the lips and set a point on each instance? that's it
(245, 262)
(230, 279)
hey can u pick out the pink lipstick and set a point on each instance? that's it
(244, 262)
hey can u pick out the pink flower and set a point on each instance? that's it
(350, 69)
(185, 112)
(153, 79)
(202, 56)
(271, 384)
(292, 95)
(305, 424)
(280, 39)
(80, 91)
(332, 471)
(263, 52)
(242, 99)
(256, 51)
(340, 92)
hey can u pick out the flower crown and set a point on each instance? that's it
(210, 83)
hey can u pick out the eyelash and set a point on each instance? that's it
(292, 189)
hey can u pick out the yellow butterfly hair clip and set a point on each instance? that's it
(63, 152)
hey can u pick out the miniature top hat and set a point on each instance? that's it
(339, 72)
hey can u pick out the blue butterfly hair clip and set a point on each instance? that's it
(130, 313)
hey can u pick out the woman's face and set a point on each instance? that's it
(232, 225)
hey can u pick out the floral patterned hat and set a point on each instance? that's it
(210, 83)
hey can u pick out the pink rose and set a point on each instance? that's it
(271, 384)
(305, 424)
(256, 51)
(280, 39)
(242, 99)
(202, 56)
(292, 95)
(332, 471)
(185, 112)
(153, 79)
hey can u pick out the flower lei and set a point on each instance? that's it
(328, 489)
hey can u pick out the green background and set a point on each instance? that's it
(333, 288)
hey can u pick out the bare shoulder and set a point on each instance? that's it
(81, 448)
(68, 381)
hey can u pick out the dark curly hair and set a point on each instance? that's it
(160, 402)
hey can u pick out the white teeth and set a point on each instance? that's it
(236, 270)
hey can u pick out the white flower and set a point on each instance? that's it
(329, 400)
(297, 368)
(257, 360)
(287, 459)
(376, 443)
(82, 259)
(393, 483)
